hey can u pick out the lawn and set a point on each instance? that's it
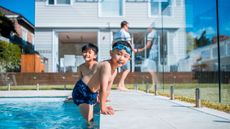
(208, 92)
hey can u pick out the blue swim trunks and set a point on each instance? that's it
(82, 94)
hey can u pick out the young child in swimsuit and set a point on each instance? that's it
(100, 81)
(89, 53)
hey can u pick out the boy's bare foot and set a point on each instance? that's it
(122, 89)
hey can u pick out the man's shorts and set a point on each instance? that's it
(148, 66)
(82, 94)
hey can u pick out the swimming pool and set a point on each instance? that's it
(42, 113)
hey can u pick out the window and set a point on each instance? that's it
(111, 8)
(24, 34)
(59, 2)
(51, 2)
(159, 7)
(63, 1)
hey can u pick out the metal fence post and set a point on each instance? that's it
(37, 87)
(64, 82)
(155, 89)
(135, 86)
(172, 97)
(9, 87)
(8, 78)
(147, 88)
(198, 101)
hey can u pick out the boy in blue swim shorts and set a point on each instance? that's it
(100, 81)
(89, 54)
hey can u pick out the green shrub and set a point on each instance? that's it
(9, 57)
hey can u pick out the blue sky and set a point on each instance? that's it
(23, 7)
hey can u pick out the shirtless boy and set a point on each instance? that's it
(101, 80)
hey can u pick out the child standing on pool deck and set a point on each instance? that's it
(86, 89)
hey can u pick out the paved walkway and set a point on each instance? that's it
(138, 110)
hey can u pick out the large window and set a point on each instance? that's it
(159, 7)
(111, 8)
(59, 2)
(24, 34)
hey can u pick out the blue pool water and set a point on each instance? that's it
(42, 113)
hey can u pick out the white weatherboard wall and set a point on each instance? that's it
(43, 44)
(83, 14)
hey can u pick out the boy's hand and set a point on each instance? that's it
(135, 50)
(107, 110)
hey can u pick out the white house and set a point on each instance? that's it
(63, 26)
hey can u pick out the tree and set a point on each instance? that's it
(202, 41)
(9, 57)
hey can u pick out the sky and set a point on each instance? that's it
(23, 7)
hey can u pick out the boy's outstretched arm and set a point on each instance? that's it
(105, 74)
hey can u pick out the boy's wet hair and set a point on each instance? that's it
(127, 46)
(90, 46)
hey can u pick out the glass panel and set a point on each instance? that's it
(51, 2)
(224, 27)
(111, 8)
(188, 54)
(166, 8)
(63, 1)
(154, 8)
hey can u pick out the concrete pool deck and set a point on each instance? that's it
(138, 110)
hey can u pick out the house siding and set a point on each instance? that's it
(43, 45)
(137, 14)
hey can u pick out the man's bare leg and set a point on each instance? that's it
(154, 77)
(121, 83)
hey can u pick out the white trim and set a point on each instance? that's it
(11, 16)
(76, 30)
(53, 34)
(123, 11)
(98, 45)
(54, 50)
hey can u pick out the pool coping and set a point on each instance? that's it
(33, 93)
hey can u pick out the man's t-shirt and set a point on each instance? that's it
(152, 36)
(122, 35)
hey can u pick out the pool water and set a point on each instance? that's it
(42, 113)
